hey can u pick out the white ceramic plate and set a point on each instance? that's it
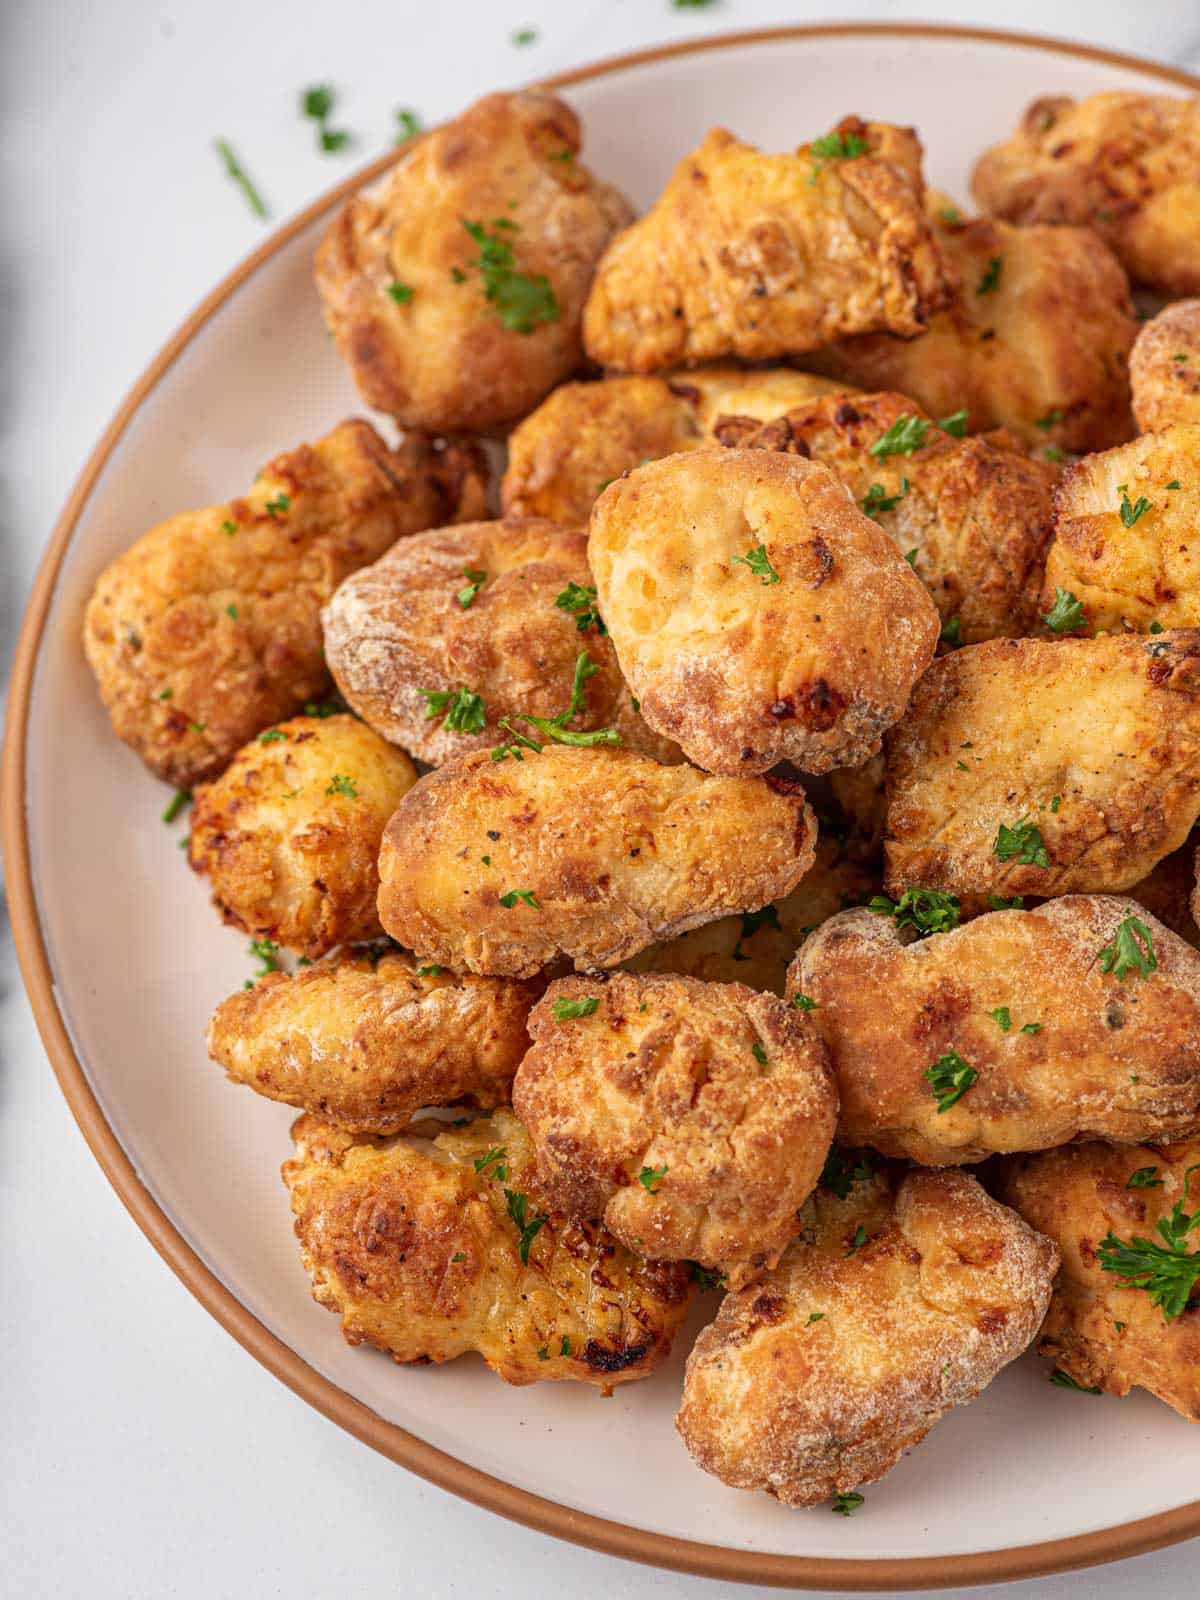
(125, 959)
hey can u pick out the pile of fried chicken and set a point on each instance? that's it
(757, 860)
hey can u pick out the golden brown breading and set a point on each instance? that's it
(897, 1303)
(1100, 1334)
(366, 1040)
(971, 519)
(502, 867)
(290, 832)
(586, 434)
(1060, 1049)
(208, 629)
(755, 948)
(743, 254)
(757, 614)
(1166, 892)
(1093, 743)
(495, 228)
(1164, 368)
(419, 1248)
(398, 631)
(692, 1118)
(1126, 164)
(1126, 542)
(1038, 344)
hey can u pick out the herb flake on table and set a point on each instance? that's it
(235, 170)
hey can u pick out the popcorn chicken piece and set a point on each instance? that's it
(1164, 368)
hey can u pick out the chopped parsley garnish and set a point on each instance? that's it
(341, 784)
(759, 564)
(835, 147)
(179, 801)
(951, 633)
(1131, 950)
(950, 1077)
(1023, 841)
(401, 293)
(522, 300)
(459, 1255)
(1168, 1271)
(1064, 1380)
(464, 709)
(509, 900)
(555, 728)
(997, 902)
(766, 917)
(495, 1156)
(564, 1010)
(528, 1227)
(1050, 420)
(166, 694)
(860, 1238)
(277, 505)
(580, 600)
(1002, 1017)
(476, 578)
(759, 1054)
(878, 498)
(228, 527)
(904, 436)
(1131, 511)
(431, 971)
(543, 1353)
(950, 214)
(1144, 1178)
(1156, 627)
(651, 1177)
(408, 123)
(814, 1316)
(990, 281)
(1174, 484)
(1056, 804)
(564, 1349)
(804, 1002)
(272, 736)
(705, 1277)
(267, 952)
(843, 1169)
(926, 910)
(1066, 614)
(241, 177)
(231, 611)
(845, 1504)
(955, 424)
(1032, 1027)
(911, 557)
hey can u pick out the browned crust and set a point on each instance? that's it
(1164, 368)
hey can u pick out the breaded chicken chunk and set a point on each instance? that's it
(289, 834)
(208, 629)
(428, 1248)
(756, 947)
(1126, 543)
(971, 519)
(368, 1040)
(1126, 164)
(898, 1302)
(586, 434)
(1037, 339)
(758, 615)
(455, 289)
(693, 1118)
(1034, 767)
(1164, 368)
(1106, 1209)
(502, 867)
(1016, 1031)
(758, 256)
(460, 629)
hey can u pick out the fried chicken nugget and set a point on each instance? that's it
(1102, 1331)
(1164, 368)
(1030, 767)
(757, 614)
(208, 628)
(971, 519)
(367, 1041)
(591, 854)
(1016, 1031)
(898, 1302)
(756, 948)
(1126, 164)
(586, 434)
(758, 256)
(289, 833)
(459, 628)
(692, 1118)
(1037, 339)
(455, 289)
(430, 1248)
(1126, 542)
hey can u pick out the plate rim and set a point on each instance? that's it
(389, 1439)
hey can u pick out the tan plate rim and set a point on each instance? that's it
(598, 1533)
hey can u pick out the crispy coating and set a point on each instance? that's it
(692, 1118)
(450, 355)
(755, 948)
(614, 851)
(289, 833)
(366, 1041)
(996, 734)
(398, 629)
(1126, 540)
(207, 630)
(1164, 368)
(744, 255)
(1126, 164)
(806, 659)
(586, 434)
(1043, 350)
(1107, 1057)
(414, 1244)
(897, 1303)
(1102, 1335)
(971, 518)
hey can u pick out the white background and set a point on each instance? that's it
(141, 1451)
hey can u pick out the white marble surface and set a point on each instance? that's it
(142, 1453)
